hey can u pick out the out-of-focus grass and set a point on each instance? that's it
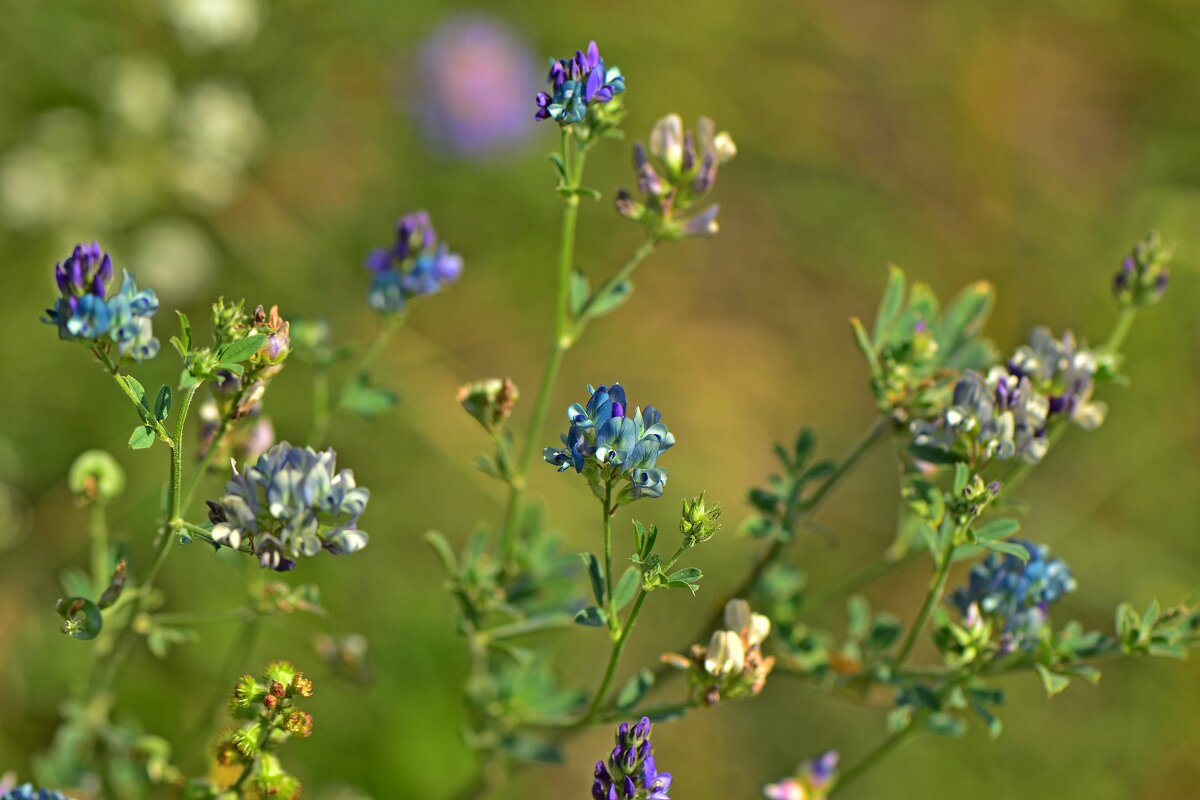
(1025, 143)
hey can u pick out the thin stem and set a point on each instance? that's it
(932, 598)
(322, 408)
(201, 617)
(614, 658)
(608, 568)
(320, 418)
(1120, 330)
(101, 562)
(525, 627)
(566, 255)
(858, 579)
(391, 324)
(885, 747)
(107, 669)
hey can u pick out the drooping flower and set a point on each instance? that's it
(417, 265)
(577, 84)
(732, 665)
(1016, 594)
(630, 772)
(489, 401)
(606, 437)
(83, 312)
(474, 74)
(679, 169)
(27, 792)
(1144, 273)
(292, 502)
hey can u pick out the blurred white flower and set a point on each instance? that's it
(207, 24)
(140, 91)
(175, 257)
(220, 133)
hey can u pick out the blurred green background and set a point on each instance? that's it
(241, 147)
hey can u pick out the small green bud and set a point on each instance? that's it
(698, 523)
(96, 476)
(281, 672)
(247, 692)
(229, 321)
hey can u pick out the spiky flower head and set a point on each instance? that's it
(415, 266)
(578, 85)
(679, 169)
(292, 502)
(85, 313)
(1142, 278)
(1016, 594)
(615, 444)
(630, 772)
(698, 521)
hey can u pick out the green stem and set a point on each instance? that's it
(858, 579)
(525, 627)
(322, 408)
(562, 342)
(320, 418)
(608, 568)
(932, 598)
(610, 671)
(1120, 330)
(885, 747)
(101, 562)
(109, 667)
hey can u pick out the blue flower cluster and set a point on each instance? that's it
(577, 83)
(27, 792)
(293, 502)
(1064, 372)
(83, 312)
(617, 443)
(417, 265)
(631, 773)
(1016, 593)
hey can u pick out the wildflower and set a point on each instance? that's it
(474, 71)
(679, 169)
(490, 402)
(414, 267)
(27, 792)
(292, 502)
(1000, 416)
(732, 665)
(1015, 593)
(630, 772)
(814, 777)
(605, 437)
(1144, 273)
(84, 313)
(1064, 372)
(576, 85)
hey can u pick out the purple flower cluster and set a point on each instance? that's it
(576, 84)
(417, 265)
(631, 773)
(83, 312)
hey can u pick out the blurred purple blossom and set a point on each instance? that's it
(475, 76)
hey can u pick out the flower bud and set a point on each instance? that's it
(698, 523)
(490, 402)
(96, 476)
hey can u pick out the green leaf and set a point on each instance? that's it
(933, 455)
(242, 349)
(868, 350)
(142, 437)
(805, 442)
(889, 306)
(687, 578)
(367, 401)
(162, 403)
(595, 575)
(1054, 682)
(608, 298)
(998, 529)
(591, 617)
(83, 619)
(963, 320)
(634, 690)
(1008, 548)
(962, 474)
(185, 332)
(560, 166)
(627, 587)
(444, 552)
(579, 291)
